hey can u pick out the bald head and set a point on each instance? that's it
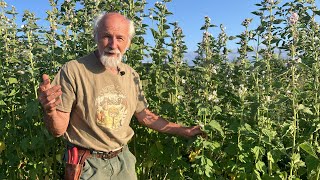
(116, 18)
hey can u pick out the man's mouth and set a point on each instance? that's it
(111, 53)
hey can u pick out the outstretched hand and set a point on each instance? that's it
(195, 131)
(49, 96)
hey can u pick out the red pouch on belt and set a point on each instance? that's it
(73, 165)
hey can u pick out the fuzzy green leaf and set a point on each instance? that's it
(307, 111)
(215, 125)
(2, 103)
(307, 147)
(261, 167)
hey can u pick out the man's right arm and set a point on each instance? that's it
(56, 121)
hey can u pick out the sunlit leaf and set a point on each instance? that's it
(261, 166)
(307, 111)
(13, 80)
(307, 147)
(2, 103)
(215, 125)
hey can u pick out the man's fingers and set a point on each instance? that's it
(48, 92)
(53, 90)
(52, 93)
(45, 77)
(49, 96)
(52, 106)
(45, 82)
(52, 102)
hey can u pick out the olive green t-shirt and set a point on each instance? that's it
(101, 104)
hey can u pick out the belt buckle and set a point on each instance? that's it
(97, 153)
(107, 155)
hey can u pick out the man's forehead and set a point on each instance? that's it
(114, 23)
(115, 18)
(123, 30)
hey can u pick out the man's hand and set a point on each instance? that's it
(49, 96)
(194, 131)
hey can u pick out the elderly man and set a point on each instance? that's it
(92, 100)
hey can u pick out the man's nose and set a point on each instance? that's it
(112, 43)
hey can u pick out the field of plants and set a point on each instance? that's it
(261, 109)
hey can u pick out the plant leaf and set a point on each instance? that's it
(307, 147)
(13, 80)
(215, 125)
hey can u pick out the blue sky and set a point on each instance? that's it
(189, 14)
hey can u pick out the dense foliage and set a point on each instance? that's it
(260, 109)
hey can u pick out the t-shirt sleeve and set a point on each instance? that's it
(141, 100)
(66, 81)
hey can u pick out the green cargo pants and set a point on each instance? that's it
(121, 167)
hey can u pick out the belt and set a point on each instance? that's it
(99, 154)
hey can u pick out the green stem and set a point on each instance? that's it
(318, 173)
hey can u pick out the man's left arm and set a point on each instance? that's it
(155, 122)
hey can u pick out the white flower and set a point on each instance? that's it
(299, 60)
(214, 70)
(20, 72)
(288, 92)
(22, 26)
(293, 19)
(242, 90)
(208, 18)
(214, 93)
(268, 98)
(213, 96)
(150, 16)
(232, 86)
(270, 1)
(179, 97)
(183, 81)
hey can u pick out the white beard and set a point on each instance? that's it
(111, 62)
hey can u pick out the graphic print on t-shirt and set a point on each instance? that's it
(111, 107)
